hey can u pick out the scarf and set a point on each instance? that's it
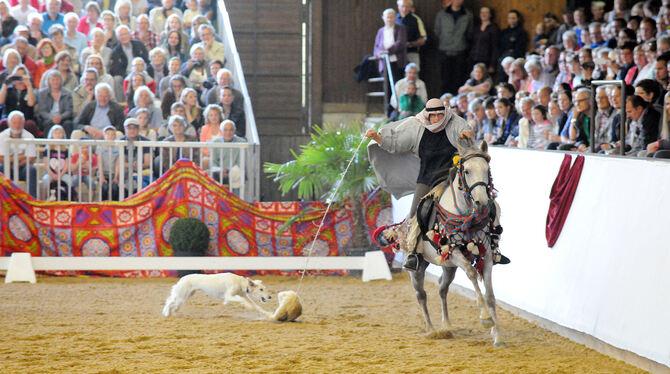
(434, 106)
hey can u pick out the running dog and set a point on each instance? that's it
(224, 286)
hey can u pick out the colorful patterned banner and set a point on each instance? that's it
(140, 225)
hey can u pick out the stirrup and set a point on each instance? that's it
(411, 262)
(504, 260)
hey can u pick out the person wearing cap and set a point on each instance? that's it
(132, 134)
(177, 125)
(407, 153)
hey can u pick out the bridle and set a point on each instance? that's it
(464, 186)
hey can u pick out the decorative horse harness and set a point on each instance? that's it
(469, 231)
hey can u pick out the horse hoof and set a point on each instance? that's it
(487, 322)
(500, 345)
(442, 334)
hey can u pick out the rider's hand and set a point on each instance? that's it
(372, 134)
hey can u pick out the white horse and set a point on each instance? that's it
(469, 195)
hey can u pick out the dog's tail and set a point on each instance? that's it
(170, 301)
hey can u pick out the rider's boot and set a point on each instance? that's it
(498, 258)
(411, 261)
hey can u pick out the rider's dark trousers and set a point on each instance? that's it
(421, 191)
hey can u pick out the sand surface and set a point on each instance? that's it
(107, 325)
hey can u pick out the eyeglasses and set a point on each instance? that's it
(581, 100)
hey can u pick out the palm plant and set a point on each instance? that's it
(316, 171)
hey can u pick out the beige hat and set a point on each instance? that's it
(130, 122)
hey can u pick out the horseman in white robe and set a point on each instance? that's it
(406, 155)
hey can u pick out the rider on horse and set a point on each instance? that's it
(401, 148)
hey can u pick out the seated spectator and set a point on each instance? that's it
(195, 26)
(91, 21)
(542, 128)
(17, 94)
(144, 98)
(144, 34)
(651, 92)
(225, 78)
(7, 23)
(84, 167)
(526, 125)
(544, 96)
(588, 69)
(508, 122)
(177, 109)
(56, 33)
(123, 10)
(158, 67)
(225, 164)
(173, 45)
(47, 59)
(63, 65)
(575, 133)
(98, 114)
(540, 39)
(533, 68)
(174, 23)
(208, 9)
(506, 90)
(177, 127)
(644, 69)
(490, 122)
(195, 69)
(137, 81)
(22, 47)
(603, 118)
(570, 41)
(661, 148)
(518, 78)
(109, 156)
(190, 12)
(213, 117)
(140, 7)
(158, 16)
(214, 67)
(232, 112)
(193, 111)
(550, 68)
(22, 10)
(143, 116)
(98, 48)
(628, 71)
(410, 102)
(10, 60)
(52, 15)
(479, 81)
(475, 117)
(55, 104)
(411, 74)
(139, 67)
(109, 27)
(213, 49)
(85, 92)
(73, 37)
(23, 154)
(124, 53)
(57, 178)
(140, 167)
(644, 124)
(661, 71)
(177, 84)
(174, 66)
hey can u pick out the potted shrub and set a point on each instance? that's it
(189, 237)
(316, 171)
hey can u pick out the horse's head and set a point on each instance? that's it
(473, 170)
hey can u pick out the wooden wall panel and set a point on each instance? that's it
(350, 26)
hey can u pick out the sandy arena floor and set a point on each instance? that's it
(104, 325)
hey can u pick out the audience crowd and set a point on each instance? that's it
(541, 97)
(151, 69)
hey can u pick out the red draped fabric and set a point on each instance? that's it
(562, 193)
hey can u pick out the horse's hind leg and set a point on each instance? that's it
(417, 281)
(491, 302)
(447, 277)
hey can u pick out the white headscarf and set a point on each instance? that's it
(434, 106)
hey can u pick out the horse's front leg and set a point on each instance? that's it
(491, 299)
(447, 277)
(460, 260)
(417, 281)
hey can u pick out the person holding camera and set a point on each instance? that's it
(195, 69)
(17, 93)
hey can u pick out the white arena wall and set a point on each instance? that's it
(608, 275)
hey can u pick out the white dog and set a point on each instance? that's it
(225, 286)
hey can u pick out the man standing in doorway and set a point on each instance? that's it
(453, 25)
(416, 31)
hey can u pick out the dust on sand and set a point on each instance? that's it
(110, 325)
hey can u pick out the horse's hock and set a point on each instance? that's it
(109, 325)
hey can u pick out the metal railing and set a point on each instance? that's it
(89, 164)
(233, 63)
